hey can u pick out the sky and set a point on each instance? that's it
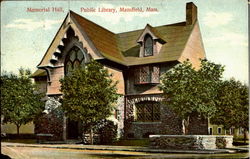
(25, 36)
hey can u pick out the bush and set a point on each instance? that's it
(51, 123)
(107, 131)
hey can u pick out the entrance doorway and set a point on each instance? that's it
(72, 129)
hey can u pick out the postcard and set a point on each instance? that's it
(137, 41)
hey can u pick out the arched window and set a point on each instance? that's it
(148, 111)
(74, 60)
(148, 45)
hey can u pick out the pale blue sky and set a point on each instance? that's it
(25, 36)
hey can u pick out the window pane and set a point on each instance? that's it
(75, 58)
(148, 111)
(155, 74)
(68, 67)
(137, 75)
(139, 112)
(76, 64)
(219, 130)
(156, 111)
(79, 55)
(82, 64)
(148, 46)
(147, 74)
(72, 55)
(144, 74)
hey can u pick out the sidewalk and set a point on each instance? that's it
(124, 148)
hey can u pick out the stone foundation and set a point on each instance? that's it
(190, 142)
(169, 124)
(224, 142)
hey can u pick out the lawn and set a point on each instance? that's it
(240, 142)
(24, 141)
(132, 142)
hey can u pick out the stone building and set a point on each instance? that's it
(136, 58)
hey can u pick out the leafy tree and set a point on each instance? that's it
(20, 98)
(88, 95)
(232, 105)
(189, 91)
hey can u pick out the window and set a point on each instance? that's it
(231, 131)
(219, 130)
(74, 60)
(147, 74)
(116, 113)
(148, 45)
(241, 130)
(210, 131)
(148, 111)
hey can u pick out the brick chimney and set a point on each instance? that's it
(191, 13)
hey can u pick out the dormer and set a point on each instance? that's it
(150, 42)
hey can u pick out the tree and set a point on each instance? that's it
(20, 98)
(232, 105)
(189, 91)
(88, 95)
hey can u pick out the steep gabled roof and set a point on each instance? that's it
(39, 73)
(153, 32)
(123, 48)
(176, 36)
(45, 61)
(104, 40)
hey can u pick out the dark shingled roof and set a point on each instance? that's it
(175, 35)
(39, 73)
(104, 40)
(123, 47)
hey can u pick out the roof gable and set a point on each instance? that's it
(194, 49)
(58, 43)
(153, 32)
(123, 48)
(176, 36)
(45, 62)
(104, 40)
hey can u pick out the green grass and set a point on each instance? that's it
(240, 141)
(142, 142)
(24, 141)
(131, 142)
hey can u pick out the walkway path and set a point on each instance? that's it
(124, 148)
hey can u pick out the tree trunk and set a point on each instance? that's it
(245, 136)
(17, 129)
(91, 135)
(185, 125)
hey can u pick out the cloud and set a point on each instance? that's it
(31, 24)
(229, 39)
(116, 17)
(214, 19)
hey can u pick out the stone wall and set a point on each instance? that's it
(223, 141)
(190, 142)
(118, 116)
(169, 123)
